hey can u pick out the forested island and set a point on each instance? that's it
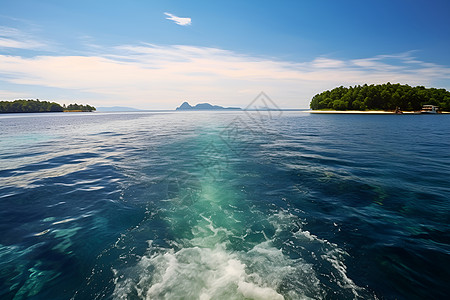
(79, 107)
(381, 97)
(36, 106)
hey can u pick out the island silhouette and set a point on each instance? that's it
(204, 106)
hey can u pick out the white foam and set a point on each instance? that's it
(331, 253)
(251, 291)
(194, 273)
(335, 257)
(205, 266)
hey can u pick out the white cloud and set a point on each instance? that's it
(153, 76)
(15, 38)
(178, 20)
(323, 62)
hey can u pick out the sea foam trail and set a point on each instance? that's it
(203, 262)
(223, 246)
(203, 267)
(195, 273)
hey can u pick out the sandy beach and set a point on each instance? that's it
(376, 112)
(361, 112)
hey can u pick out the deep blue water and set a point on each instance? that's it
(224, 205)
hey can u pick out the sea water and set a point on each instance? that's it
(224, 205)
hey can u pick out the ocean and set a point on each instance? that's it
(224, 205)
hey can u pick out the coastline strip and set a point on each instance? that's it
(369, 112)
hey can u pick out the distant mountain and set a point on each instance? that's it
(204, 106)
(116, 108)
(183, 106)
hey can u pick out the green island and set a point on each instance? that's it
(36, 106)
(386, 97)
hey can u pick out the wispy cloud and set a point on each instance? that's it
(11, 95)
(155, 76)
(178, 20)
(15, 38)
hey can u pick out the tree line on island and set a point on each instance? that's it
(36, 106)
(381, 97)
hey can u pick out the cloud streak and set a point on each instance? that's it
(155, 77)
(178, 20)
(17, 39)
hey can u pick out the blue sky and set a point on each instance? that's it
(157, 54)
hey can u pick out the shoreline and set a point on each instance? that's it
(366, 112)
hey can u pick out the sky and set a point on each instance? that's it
(158, 54)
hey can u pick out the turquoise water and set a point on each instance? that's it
(224, 205)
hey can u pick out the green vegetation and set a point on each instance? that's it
(78, 107)
(381, 97)
(29, 106)
(34, 106)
